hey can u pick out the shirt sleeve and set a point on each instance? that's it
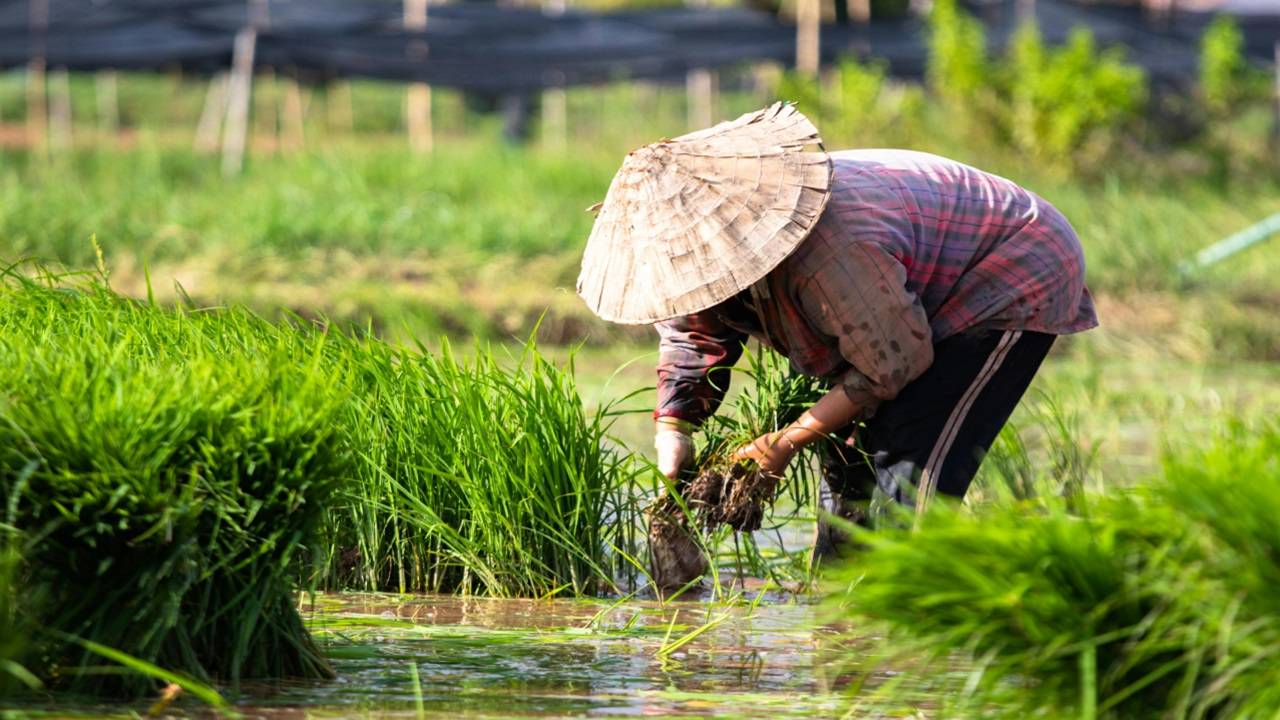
(695, 355)
(858, 295)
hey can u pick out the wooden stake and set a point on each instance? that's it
(808, 36)
(1275, 126)
(701, 86)
(555, 101)
(60, 109)
(239, 94)
(700, 89)
(265, 112)
(859, 11)
(215, 109)
(337, 101)
(37, 107)
(418, 97)
(107, 95)
(291, 114)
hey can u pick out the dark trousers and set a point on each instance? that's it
(931, 438)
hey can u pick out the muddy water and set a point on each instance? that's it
(530, 658)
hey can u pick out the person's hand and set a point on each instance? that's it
(675, 452)
(772, 452)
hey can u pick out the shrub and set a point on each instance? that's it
(957, 62)
(1060, 97)
(1224, 72)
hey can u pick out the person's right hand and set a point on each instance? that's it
(675, 452)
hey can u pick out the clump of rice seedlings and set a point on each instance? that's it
(474, 477)
(1155, 603)
(164, 470)
(735, 493)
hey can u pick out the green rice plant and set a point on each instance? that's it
(1228, 491)
(775, 397)
(472, 477)
(164, 469)
(1154, 603)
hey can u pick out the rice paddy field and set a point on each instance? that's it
(336, 438)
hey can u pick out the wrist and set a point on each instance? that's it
(668, 423)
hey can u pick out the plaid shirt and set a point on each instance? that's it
(911, 249)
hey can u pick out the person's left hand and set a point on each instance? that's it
(772, 452)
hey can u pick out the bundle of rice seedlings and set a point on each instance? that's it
(736, 493)
(164, 469)
(1228, 494)
(479, 478)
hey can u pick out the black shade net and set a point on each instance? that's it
(490, 48)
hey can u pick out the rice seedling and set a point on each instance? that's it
(725, 492)
(1149, 603)
(472, 477)
(186, 465)
(163, 469)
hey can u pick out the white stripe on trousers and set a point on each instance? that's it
(942, 448)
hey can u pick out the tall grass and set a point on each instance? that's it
(1156, 603)
(173, 473)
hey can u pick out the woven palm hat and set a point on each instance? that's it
(691, 222)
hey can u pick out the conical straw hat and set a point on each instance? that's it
(691, 222)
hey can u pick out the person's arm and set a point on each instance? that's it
(858, 297)
(695, 355)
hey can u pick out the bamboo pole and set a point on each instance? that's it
(808, 36)
(292, 114)
(1275, 122)
(239, 94)
(107, 96)
(555, 100)
(37, 87)
(338, 110)
(209, 128)
(37, 103)
(418, 96)
(701, 86)
(700, 89)
(60, 109)
(859, 11)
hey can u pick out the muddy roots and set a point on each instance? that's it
(675, 559)
(734, 495)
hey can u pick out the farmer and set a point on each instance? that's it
(925, 293)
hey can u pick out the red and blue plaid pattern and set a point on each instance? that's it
(912, 249)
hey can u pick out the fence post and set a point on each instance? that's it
(1275, 122)
(107, 95)
(555, 100)
(239, 93)
(60, 109)
(37, 89)
(215, 108)
(701, 85)
(418, 96)
(808, 36)
(292, 113)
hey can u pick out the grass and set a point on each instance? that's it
(1141, 602)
